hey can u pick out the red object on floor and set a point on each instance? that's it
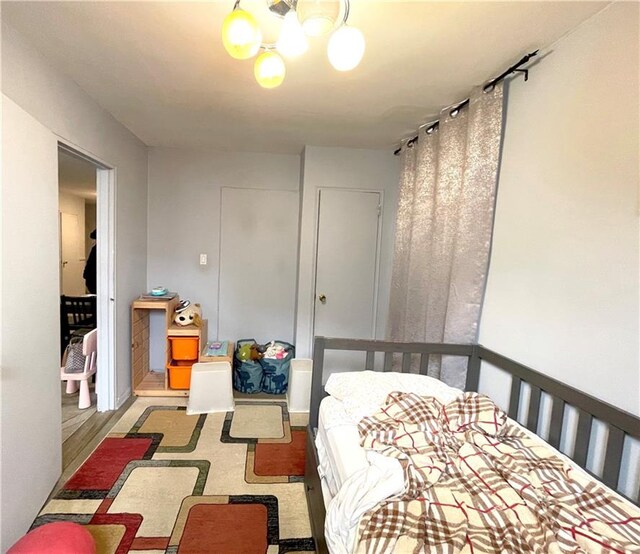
(104, 466)
(61, 537)
(281, 459)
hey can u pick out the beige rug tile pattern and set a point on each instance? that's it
(107, 537)
(257, 421)
(164, 489)
(131, 416)
(298, 419)
(176, 425)
(77, 506)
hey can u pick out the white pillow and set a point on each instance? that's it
(363, 392)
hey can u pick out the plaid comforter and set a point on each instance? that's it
(476, 483)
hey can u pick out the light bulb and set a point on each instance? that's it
(318, 17)
(292, 41)
(346, 48)
(241, 35)
(269, 69)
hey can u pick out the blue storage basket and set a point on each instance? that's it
(247, 374)
(276, 372)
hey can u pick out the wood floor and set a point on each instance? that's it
(72, 416)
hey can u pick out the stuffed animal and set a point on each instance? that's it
(188, 315)
(255, 353)
(275, 351)
(244, 352)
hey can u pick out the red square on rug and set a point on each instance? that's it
(104, 466)
(281, 459)
(228, 528)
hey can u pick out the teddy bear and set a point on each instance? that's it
(188, 315)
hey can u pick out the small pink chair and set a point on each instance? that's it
(89, 350)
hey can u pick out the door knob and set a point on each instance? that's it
(322, 298)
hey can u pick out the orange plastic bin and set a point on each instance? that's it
(184, 348)
(180, 374)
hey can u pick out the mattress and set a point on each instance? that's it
(339, 452)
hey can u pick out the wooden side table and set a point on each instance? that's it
(228, 357)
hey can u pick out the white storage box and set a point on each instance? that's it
(211, 388)
(299, 392)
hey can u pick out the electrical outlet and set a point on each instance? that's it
(203, 259)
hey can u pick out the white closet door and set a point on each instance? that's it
(258, 264)
(346, 270)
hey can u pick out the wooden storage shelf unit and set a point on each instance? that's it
(145, 381)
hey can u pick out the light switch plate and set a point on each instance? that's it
(203, 259)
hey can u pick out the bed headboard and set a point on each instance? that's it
(620, 424)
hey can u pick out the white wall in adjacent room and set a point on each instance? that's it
(185, 192)
(563, 287)
(71, 281)
(348, 168)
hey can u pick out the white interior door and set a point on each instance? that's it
(30, 340)
(258, 264)
(347, 269)
(71, 255)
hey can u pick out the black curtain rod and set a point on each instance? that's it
(487, 87)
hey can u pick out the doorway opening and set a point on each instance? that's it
(86, 243)
(77, 199)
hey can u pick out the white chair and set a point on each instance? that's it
(211, 388)
(89, 350)
(299, 391)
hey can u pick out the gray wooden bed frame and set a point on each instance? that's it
(619, 422)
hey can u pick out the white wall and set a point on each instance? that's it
(65, 111)
(562, 292)
(64, 108)
(72, 282)
(184, 217)
(30, 384)
(349, 168)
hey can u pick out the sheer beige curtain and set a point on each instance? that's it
(443, 231)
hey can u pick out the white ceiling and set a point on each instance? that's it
(76, 176)
(160, 68)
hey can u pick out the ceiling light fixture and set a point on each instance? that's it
(269, 69)
(242, 36)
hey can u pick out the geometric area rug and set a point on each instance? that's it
(164, 482)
